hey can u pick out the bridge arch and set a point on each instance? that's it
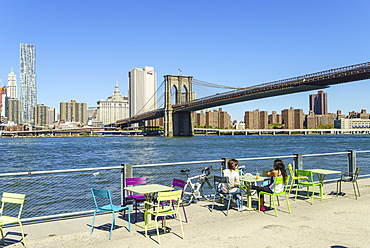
(178, 123)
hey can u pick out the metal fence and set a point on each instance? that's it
(51, 194)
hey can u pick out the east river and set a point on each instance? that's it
(37, 154)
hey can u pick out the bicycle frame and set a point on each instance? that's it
(194, 186)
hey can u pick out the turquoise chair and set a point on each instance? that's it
(12, 199)
(307, 183)
(109, 208)
(277, 181)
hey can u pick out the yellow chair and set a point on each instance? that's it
(172, 209)
(294, 177)
(13, 199)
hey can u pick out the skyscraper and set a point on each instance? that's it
(142, 88)
(27, 79)
(319, 103)
(12, 85)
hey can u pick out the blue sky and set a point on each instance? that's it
(83, 47)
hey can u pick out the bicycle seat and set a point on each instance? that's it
(183, 171)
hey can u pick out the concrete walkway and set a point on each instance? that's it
(337, 222)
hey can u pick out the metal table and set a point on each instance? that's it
(321, 174)
(249, 180)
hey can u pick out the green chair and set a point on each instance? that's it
(349, 177)
(307, 183)
(156, 210)
(294, 177)
(277, 181)
(12, 199)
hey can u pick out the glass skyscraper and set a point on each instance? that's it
(27, 80)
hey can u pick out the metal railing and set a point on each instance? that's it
(60, 193)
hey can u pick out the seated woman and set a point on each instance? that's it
(233, 185)
(278, 171)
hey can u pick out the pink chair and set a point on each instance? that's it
(135, 197)
(179, 184)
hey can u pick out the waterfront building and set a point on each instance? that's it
(361, 115)
(293, 118)
(52, 116)
(12, 85)
(224, 119)
(313, 121)
(142, 90)
(14, 110)
(215, 119)
(319, 103)
(41, 115)
(116, 107)
(28, 93)
(239, 125)
(340, 115)
(73, 112)
(256, 119)
(274, 118)
(2, 104)
(200, 119)
(345, 123)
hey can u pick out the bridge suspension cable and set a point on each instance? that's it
(154, 105)
(207, 84)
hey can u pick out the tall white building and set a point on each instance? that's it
(12, 85)
(114, 108)
(27, 81)
(142, 88)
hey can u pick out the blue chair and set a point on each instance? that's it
(109, 208)
(218, 181)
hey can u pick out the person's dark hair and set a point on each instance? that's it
(279, 165)
(232, 164)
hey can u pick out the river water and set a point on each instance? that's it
(37, 154)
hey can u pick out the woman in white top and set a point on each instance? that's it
(233, 185)
(278, 171)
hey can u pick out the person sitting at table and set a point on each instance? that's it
(278, 171)
(233, 185)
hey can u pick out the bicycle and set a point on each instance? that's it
(194, 185)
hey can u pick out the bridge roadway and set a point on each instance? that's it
(314, 81)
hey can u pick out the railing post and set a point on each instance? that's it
(224, 164)
(298, 162)
(126, 172)
(352, 161)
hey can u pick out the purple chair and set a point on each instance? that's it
(135, 197)
(179, 184)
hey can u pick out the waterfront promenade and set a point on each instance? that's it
(337, 222)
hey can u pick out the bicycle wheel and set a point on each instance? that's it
(187, 198)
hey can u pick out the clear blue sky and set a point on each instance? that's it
(83, 47)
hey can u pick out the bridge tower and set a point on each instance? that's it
(177, 123)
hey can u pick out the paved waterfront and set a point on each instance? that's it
(338, 222)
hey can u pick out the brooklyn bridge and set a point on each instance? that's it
(179, 102)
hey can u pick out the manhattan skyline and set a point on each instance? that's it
(236, 44)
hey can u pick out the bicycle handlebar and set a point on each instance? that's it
(207, 170)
